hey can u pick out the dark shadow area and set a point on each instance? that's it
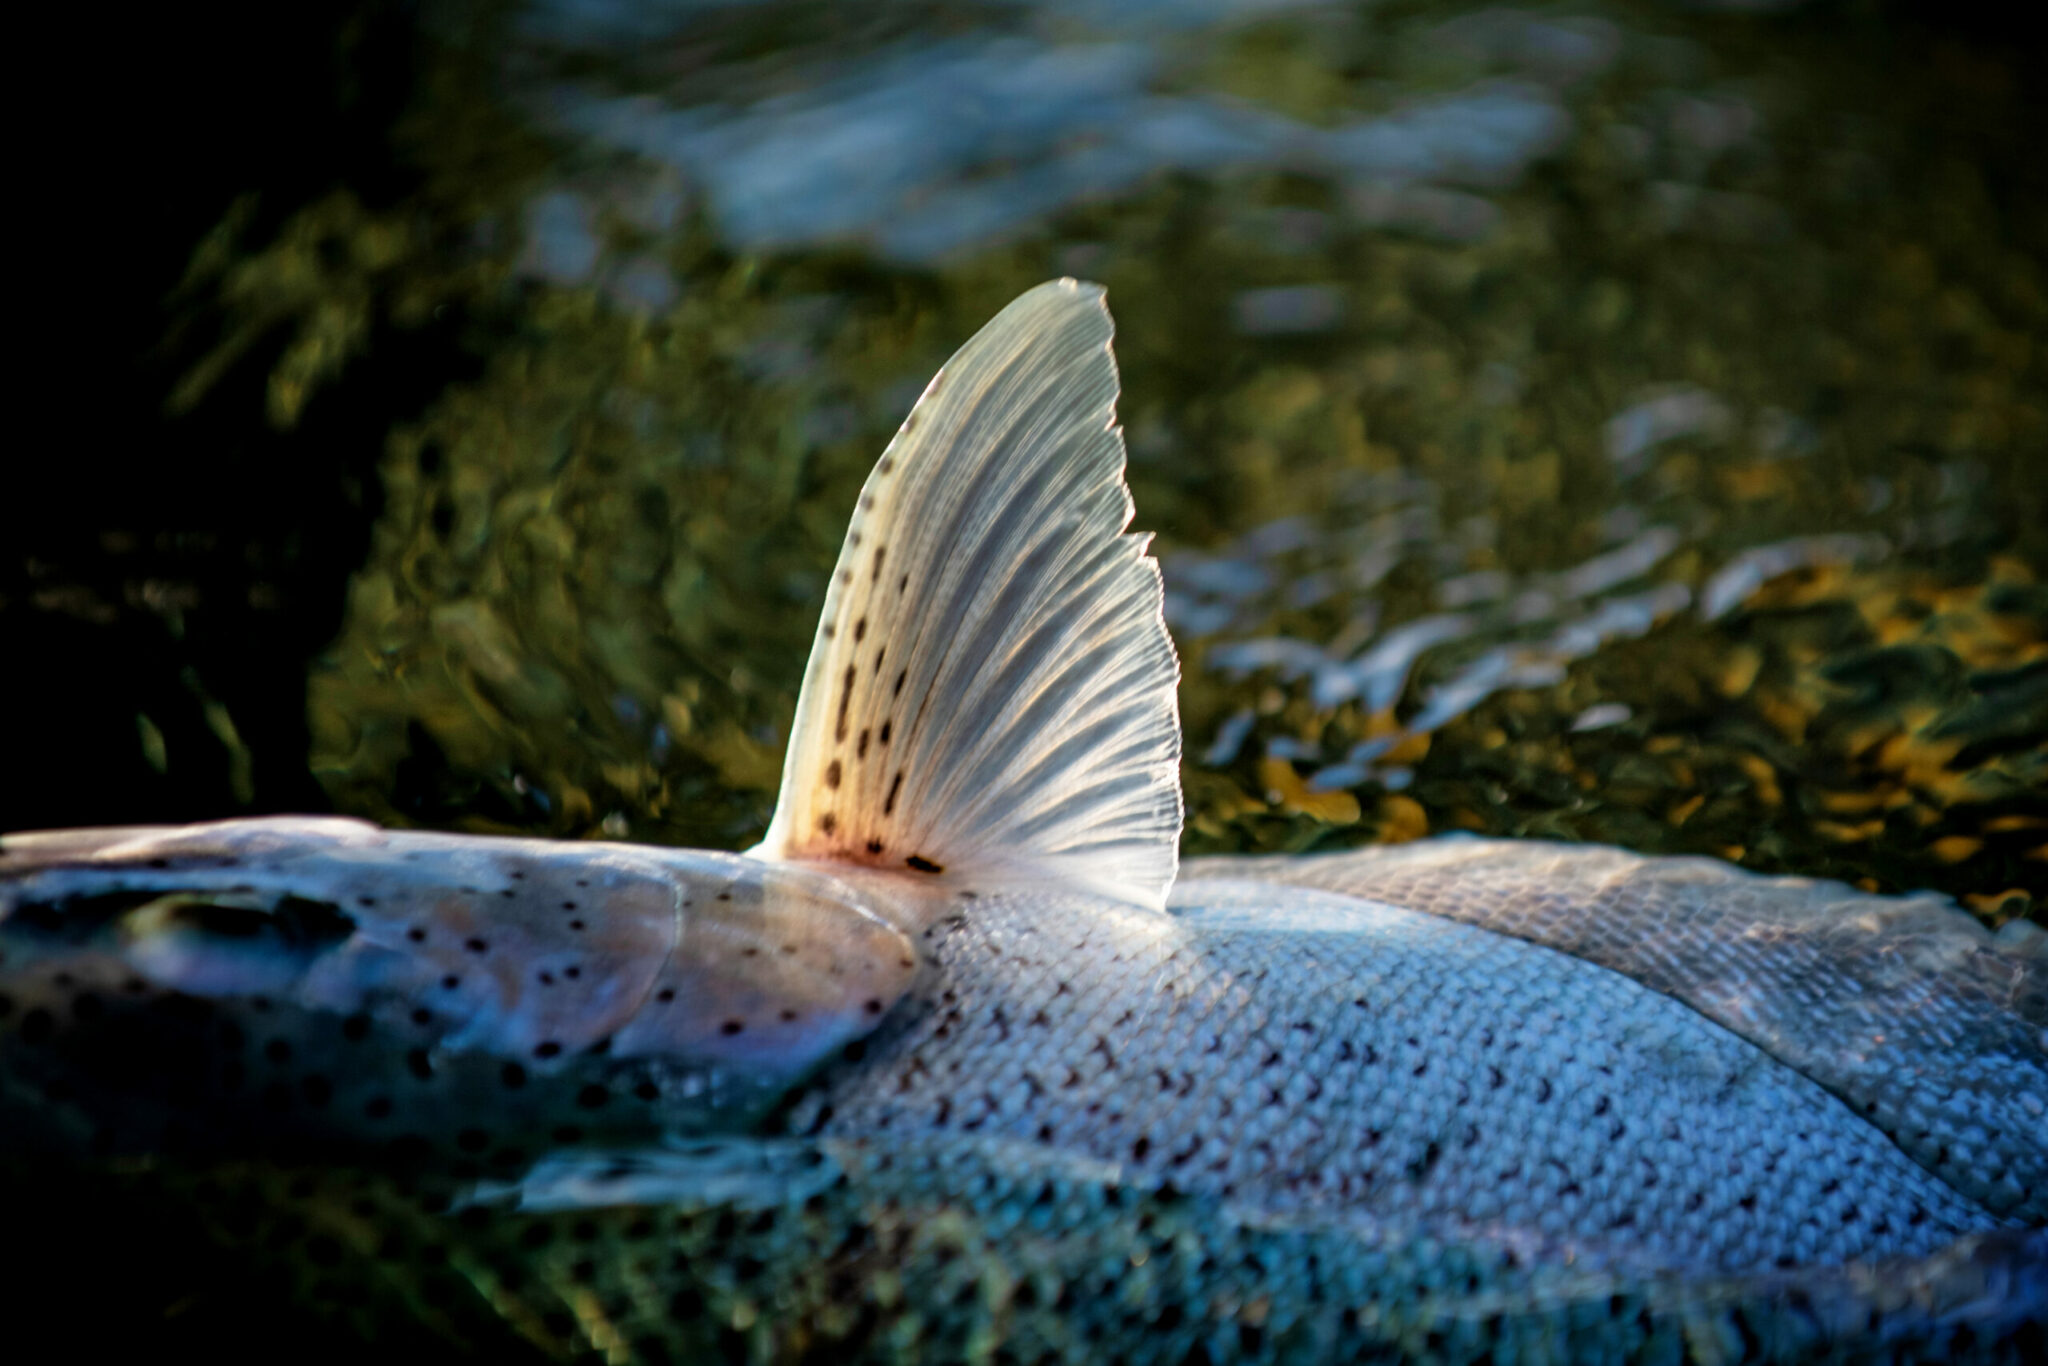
(172, 574)
(183, 569)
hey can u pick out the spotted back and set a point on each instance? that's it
(1929, 1026)
(325, 978)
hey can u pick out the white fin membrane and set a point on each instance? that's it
(990, 699)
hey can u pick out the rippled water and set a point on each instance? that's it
(1617, 422)
(1556, 423)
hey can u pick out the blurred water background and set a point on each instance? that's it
(1598, 420)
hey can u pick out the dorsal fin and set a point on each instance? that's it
(991, 694)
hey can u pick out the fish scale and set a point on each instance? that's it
(1926, 1024)
(1329, 1052)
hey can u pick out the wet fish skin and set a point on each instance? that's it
(288, 983)
(1921, 1021)
(1294, 1050)
(1278, 1045)
(925, 1231)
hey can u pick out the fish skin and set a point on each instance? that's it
(934, 1230)
(1280, 1046)
(288, 983)
(1294, 1050)
(1922, 1021)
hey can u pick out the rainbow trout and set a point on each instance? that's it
(961, 1060)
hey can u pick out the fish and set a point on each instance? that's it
(964, 1060)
